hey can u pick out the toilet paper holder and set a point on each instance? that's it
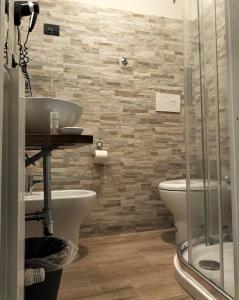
(99, 146)
(100, 156)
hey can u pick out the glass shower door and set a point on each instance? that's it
(208, 159)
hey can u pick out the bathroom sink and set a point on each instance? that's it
(38, 111)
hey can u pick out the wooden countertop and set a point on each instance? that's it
(61, 141)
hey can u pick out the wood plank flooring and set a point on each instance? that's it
(124, 267)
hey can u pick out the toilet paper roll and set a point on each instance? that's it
(101, 156)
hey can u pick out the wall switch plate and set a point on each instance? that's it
(168, 102)
(51, 29)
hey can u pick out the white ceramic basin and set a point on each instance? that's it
(38, 111)
(70, 208)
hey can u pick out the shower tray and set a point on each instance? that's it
(198, 283)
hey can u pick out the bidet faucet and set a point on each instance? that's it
(30, 183)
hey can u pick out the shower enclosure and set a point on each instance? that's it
(211, 251)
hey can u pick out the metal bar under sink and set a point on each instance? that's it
(46, 215)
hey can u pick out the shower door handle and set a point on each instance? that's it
(227, 179)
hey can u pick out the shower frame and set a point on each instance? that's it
(232, 42)
(232, 39)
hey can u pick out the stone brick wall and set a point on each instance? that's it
(145, 147)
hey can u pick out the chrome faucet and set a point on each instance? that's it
(30, 183)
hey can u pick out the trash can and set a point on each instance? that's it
(51, 254)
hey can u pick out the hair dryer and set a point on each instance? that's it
(24, 9)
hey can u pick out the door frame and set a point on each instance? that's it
(2, 255)
(12, 169)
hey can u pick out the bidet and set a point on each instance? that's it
(70, 208)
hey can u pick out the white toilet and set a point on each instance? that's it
(70, 208)
(173, 194)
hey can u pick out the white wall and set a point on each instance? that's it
(163, 8)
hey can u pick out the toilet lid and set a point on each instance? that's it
(180, 185)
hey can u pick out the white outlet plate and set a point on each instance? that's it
(168, 102)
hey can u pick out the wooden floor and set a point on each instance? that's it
(124, 267)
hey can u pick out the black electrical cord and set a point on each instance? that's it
(23, 62)
(6, 50)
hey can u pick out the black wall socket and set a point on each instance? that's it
(51, 29)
